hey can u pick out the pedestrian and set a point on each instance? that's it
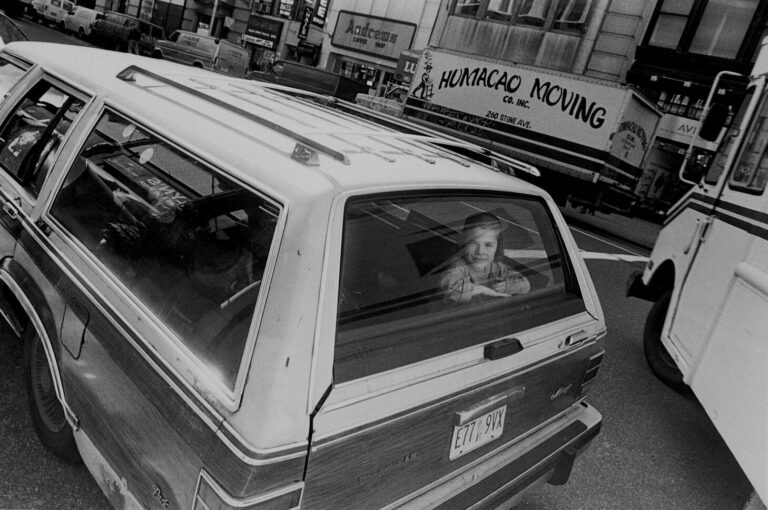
(134, 36)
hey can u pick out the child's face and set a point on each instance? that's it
(480, 250)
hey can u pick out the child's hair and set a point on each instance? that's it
(484, 221)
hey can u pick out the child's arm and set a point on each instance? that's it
(459, 288)
(511, 282)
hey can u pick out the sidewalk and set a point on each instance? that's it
(635, 231)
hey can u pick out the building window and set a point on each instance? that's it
(467, 7)
(684, 105)
(715, 28)
(571, 13)
(547, 14)
(673, 16)
(500, 9)
(722, 28)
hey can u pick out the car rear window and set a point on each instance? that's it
(424, 275)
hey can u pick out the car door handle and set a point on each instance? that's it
(576, 339)
(11, 210)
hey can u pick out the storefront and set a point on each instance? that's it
(262, 37)
(367, 48)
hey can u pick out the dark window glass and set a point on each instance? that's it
(10, 74)
(722, 27)
(501, 9)
(9, 32)
(467, 7)
(572, 13)
(673, 16)
(32, 134)
(534, 12)
(751, 172)
(727, 143)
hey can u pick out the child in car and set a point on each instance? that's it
(479, 270)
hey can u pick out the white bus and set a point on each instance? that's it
(708, 276)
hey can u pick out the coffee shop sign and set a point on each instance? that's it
(373, 35)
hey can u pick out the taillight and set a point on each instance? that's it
(211, 496)
(591, 373)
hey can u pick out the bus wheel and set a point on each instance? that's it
(45, 409)
(661, 363)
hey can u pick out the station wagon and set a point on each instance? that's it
(232, 297)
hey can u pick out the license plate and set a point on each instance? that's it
(476, 433)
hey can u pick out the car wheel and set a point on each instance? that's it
(81, 33)
(659, 359)
(46, 411)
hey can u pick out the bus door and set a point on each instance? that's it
(722, 311)
(694, 220)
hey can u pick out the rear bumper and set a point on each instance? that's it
(501, 478)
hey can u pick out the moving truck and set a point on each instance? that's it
(587, 136)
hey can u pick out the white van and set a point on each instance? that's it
(708, 276)
(79, 21)
(203, 51)
(53, 12)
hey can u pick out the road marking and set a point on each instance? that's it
(603, 240)
(620, 257)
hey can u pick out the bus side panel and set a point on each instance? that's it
(731, 381)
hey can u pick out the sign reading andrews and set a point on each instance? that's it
(373, 35)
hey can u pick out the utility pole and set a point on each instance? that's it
(213, 16)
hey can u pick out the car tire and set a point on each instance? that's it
(659, 360)
(47, 413)
(80, 33)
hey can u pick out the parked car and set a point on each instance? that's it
(204, 51)
(111, 31)
(234, 298)
(52, 12)
(10, 31)
(80, 20)
(320, 81)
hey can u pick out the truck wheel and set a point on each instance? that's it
(661, 363)
(46, 411)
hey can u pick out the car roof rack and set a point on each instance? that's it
(129, 75)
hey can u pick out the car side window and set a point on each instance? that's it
(191, 245)
(10, 74)
(32, 133)
(9, 32)
(750, 174)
